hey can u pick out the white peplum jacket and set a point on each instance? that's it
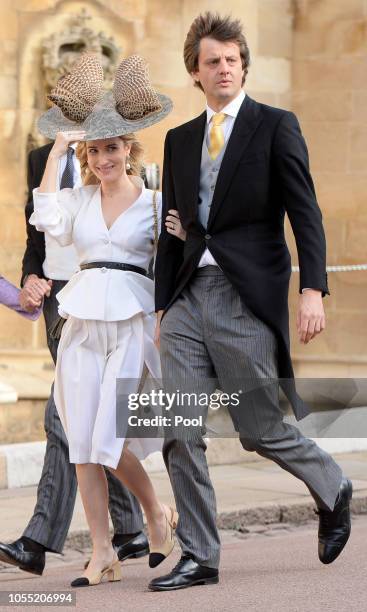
(75, 216)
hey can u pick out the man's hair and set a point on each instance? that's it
(223, 29)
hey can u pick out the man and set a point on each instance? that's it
(232, 173)
(49, 525)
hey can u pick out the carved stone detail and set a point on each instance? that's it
(62, 49)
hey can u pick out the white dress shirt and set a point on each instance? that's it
(61, 262)
(231, 112)
(75, 216)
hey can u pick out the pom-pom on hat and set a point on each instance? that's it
(80, 103)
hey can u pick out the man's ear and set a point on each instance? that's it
(195, 76)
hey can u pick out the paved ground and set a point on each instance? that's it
(269, 572)
(254, 490)
(269, 564)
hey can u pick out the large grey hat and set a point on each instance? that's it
(132, 105)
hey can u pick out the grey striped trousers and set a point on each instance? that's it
(57, 488)
(209, 340)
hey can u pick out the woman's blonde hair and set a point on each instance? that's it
(135, 159)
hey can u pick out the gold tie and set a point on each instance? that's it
(216, 136)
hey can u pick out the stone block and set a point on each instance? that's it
(320, 366)
(25, 463)
(264, 97)
(9, 21)
(350, 291)
(269, 75)
(188, 101)
(8, 57)
(322, 105)
(174, 73)
(358, 148)
(153, 137)
(11, 259)
(8, 91)
(331, 10)
(312, 73)
(308, 41)
(356, 240)
(15, 331)
(341, 195)
(8, 124)
(360, 106)
(31, 6)
(22, 421)
(152, 140)
(275, 28)
(3, 472)
(347, 37)
(163, 23)
(335, 230)
(327, 145)
(13, 231)
(284, 100)
(339, 37)
(129, 9)
(347, 333)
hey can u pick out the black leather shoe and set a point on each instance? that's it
(135, 548)
(187, 573)
(15, 554)
(334, 526)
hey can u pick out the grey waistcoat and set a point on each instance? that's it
(208, 177)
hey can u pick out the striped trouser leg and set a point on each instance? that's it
(186, 364)
(244, 353)
(57, 488)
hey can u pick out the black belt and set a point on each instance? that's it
(56, 327)
(112, 265)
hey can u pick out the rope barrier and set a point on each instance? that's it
(351, 268)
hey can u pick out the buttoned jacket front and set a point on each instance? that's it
(74, 216)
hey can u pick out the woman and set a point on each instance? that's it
(109, 306)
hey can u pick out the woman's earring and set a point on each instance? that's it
(128, 165)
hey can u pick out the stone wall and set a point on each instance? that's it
(329, 95)
(306, 56)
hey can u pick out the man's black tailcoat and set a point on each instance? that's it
(264, 174)
(34, 255)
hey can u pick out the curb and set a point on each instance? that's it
(292, 514)
(21, 463)
(241, 520)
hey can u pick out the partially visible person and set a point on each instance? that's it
(22, 301)
(45, 261)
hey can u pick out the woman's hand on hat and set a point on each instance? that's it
(63, 140)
